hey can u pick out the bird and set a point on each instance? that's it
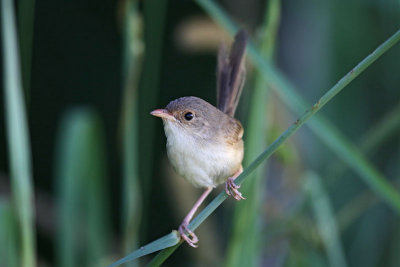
(204, 142)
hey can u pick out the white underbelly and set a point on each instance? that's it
(200, 163)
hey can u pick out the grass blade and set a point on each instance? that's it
(326, 223)
(388, 126)
(133, 50)
(18, 137)
(159, 244)
(83, 209)
(377, 134)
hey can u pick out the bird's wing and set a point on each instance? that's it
(231, 74)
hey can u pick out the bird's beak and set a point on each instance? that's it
(162, 113)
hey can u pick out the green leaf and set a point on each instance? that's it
(159, 244)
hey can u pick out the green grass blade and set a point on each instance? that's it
(159, 244)
(388, 126)
(320, 126)
(18, 137)
(162, 256)
(131, 202)
(325, 218)
(26, 22)
(80, 180)
(377, 134)
(8, 236)
(243, 246)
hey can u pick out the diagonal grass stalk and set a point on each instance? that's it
(18, 137)
(389, 193)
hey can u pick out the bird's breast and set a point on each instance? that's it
(202, 162)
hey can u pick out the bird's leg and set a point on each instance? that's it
(191, 238)
(231, 188)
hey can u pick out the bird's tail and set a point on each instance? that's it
(231, 74)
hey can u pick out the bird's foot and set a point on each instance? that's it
(231, 189)
(190, 237)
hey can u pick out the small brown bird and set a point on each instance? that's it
(204, 144)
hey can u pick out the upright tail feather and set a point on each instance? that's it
(231, 74)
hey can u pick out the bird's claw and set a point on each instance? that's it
(231, 189)
(190, 237)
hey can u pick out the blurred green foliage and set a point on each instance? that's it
(92, 72)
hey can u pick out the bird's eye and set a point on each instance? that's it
(188, 116)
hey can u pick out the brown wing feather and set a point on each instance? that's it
(231, 74)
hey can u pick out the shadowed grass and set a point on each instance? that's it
(18, 138)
